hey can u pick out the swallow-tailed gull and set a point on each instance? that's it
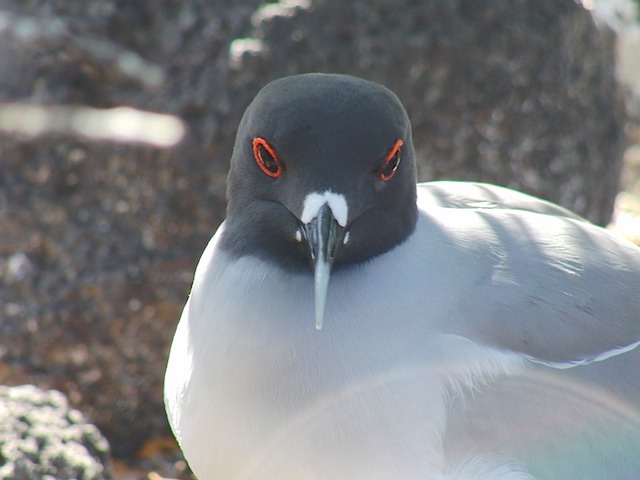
(347, 324)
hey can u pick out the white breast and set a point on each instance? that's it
(268, 397)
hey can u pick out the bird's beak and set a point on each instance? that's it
(323, 237)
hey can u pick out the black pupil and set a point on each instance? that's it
(391, 165)
(267, 159)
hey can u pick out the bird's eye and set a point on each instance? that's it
(391, 162)
(266, 157)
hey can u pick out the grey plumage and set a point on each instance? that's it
(473, 333)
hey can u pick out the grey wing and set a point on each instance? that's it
(538, 281)
(476, 195)
(541, 281)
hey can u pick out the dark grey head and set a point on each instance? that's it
(322, 168)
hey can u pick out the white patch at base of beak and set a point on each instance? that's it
(336, 201)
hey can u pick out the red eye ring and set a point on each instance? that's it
(391, 162)
(266, 158)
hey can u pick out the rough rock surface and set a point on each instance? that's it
(98, 242)
(42, 438)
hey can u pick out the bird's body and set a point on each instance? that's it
(495, 341)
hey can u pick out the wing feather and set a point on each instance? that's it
(540, 280)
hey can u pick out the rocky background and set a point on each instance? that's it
(99, 239)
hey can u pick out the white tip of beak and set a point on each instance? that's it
(321, 280)
(322, 236)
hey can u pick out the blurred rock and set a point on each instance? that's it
(98, 242)
(41, 437)
(519, 93)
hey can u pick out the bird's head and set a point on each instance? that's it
(322, 175)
